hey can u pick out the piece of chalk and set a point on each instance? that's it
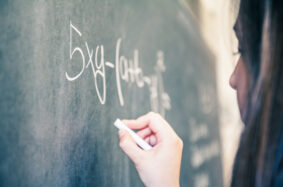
(143, 144)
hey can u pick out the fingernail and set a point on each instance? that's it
(121, 133)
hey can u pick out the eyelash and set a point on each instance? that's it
(239, 52)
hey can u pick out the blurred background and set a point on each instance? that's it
(216, 19)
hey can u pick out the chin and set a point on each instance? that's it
(242, 109)
(243, 115)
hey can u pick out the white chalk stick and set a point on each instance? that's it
(143, 144)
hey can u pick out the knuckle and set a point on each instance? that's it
(151, 113)
(154, 115)
(158, 115)
(181, 143)
(178, 142)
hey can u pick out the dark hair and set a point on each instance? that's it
(261, 25)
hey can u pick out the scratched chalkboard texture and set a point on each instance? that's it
(69, 68)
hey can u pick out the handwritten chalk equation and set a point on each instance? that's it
(127, 70)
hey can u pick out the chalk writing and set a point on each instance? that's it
(202, 180)
(201, 153)
(198, 131)
(126, 70)
(204, 153)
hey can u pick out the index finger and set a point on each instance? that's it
(135, 124)
(151, 120)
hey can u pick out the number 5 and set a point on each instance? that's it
(77, 49)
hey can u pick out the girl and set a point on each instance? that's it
(258, 81)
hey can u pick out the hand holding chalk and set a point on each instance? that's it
(161, 165)
(120, 125)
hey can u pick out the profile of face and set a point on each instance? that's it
(239, 78)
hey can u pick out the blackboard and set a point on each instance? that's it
(69, 68)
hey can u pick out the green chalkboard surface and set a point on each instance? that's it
(69, 68)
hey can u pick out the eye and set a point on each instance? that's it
(236, 53)
(239, 52)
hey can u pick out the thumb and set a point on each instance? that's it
(129, 146)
